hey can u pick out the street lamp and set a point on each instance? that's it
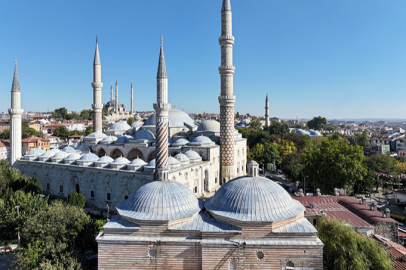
(18, 217)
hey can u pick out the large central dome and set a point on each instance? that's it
(176, 118)
(255, 199)
(160, 201)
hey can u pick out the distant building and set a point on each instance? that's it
(4, 150)
(33, 143)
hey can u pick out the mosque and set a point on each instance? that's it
(115, 109)
(155, 174)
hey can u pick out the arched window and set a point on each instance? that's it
(290, 266)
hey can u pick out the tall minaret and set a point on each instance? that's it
(226, 98)
(267, 111)
(97, 88)
(111, 92)
(15, 118)
(132, 101)
(116, 103)
(161, 108)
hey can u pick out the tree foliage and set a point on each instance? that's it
(27, 132)
(291, 167)
(76, 199)
(60, 113)
(279, 129)
(345, 249)
(333, 165)
(130, 120)
(381, 164)
(255, 124)
(317, 123)
(61, 132)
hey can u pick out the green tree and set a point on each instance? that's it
(317, 123)
(29, 205)
(61, 132)
(278, 129)
(362, 139)
(130, 120)
(89, 130)
(5, 134)
(60, 224)
(255, 124)
(84, 114)
(344, 248)
(76, 199)
(291, 167)
(27, 132)
(333, 165)
(105, 112)
(60, 113)
(238, 115)
(257, 136)
(381, 164)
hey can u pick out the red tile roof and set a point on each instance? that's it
(397, 251)
(34, 139)
(333, 209)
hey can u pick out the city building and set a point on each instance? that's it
(34, 143)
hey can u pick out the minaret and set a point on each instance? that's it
(132, 100)
(226, 98)
(267, 111)
(15, 118)
(111, 92)
(161, 108)
(116, 103)
(97, 88)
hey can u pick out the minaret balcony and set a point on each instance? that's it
(97, 106)
(15, 111)
(97, 84)
(226, 100)
(227, 69)
(225, 40)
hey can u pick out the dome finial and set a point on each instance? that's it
(162, 39)
(15, 62)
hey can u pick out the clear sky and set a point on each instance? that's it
(334, 58)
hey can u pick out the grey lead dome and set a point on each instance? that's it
(159, 201)
(255, 199)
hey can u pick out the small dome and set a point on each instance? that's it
(124, 139)
(242, 125)
(96, 135)
(246, 121)
(314, 132)
(302, 132)
(180, 142)
(201, 140)
(89, 157)
(55, 150)
(176, 118)
(182, 157)
(48, 154)
(137, 124)
(61, 155)
(82, 148)
(173, 161)
(160, 201)
(255, 199)
(192, 154)
(69, 149)
(109, 139)
(73, 156)
(121, 125)
(137, 118)
(151, 164)
(138, 162)
(105, 159)
(144, 135)
(121, 160)
(209, 125)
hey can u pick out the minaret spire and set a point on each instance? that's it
(15, 118)
(116, 103)
(97, 88)
(132, 100)
(111, 92)
(226, 98)
(161, 108)
(267, 123)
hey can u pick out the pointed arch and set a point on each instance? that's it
(116, 153)
(101, 152)
(151, 155)
(134, 153)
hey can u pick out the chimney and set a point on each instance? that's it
(301, 193)
(387, 213)
(364, 200)
(318, 193)
(336, 193)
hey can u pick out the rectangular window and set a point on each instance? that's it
(195, 189)
(108, 197)
(125, 197)
(61, 188)
(92, 193)
(215, 180)
(238, 170)
(314, 222)
(47, 186)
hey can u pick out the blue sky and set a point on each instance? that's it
(335, 58)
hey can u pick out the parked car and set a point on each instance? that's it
(286, 187)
